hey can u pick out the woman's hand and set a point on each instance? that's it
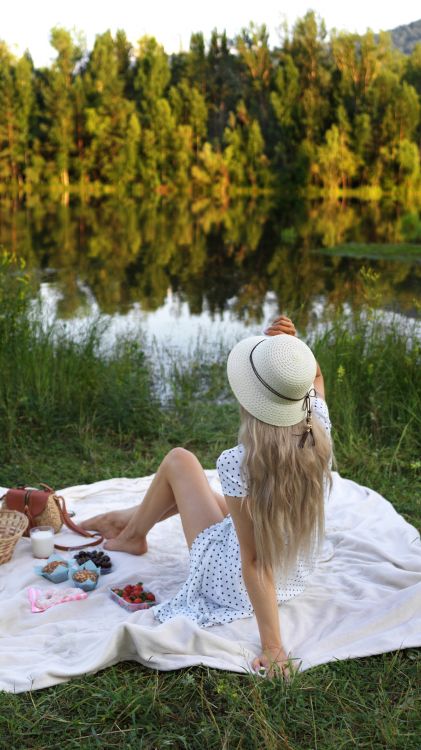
(281, 325)
(274, 662)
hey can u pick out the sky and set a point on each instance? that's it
(25, 24)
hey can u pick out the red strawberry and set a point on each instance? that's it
(150, 597)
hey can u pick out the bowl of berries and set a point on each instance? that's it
(132, 596)
(98, 557)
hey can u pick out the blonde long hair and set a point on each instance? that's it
(286, 486)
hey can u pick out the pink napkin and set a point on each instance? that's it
(42, 599)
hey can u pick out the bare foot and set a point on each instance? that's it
(110, 524)
(122, 543)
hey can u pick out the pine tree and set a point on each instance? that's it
(8, 135)
(112, 123)
(151, 78)
(197, 66)
(247, 164)
(286, 127)
(223, 90)
(24, 104)
(189, 107)
(58, 104)
(253, 50)
(310, 53)
(211, 176)
(335, 163)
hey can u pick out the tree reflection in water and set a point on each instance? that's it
(213, 257)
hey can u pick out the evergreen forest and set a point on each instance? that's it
(318, 112)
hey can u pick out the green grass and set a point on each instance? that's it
(70, 414)
(366, 703)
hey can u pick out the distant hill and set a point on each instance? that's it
(406, 37)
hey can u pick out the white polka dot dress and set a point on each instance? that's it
(214, 592)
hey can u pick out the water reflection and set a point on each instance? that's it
(217, 261)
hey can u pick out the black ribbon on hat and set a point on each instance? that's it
(305, 399)
(308, 431)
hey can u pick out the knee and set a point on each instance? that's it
(178, 457)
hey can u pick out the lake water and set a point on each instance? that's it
(182, 274)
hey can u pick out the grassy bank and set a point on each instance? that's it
(397, 251)
(71, 413)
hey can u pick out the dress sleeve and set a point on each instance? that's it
(322, 412)
(229, 471)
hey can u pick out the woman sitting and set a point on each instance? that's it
(254, 547)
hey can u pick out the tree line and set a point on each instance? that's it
(226, 117)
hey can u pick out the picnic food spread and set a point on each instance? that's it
(84, 570)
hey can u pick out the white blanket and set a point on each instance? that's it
(365, 600)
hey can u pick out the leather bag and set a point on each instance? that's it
(45, 508)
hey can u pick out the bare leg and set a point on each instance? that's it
(179, 484)
(112, 523)
(219, 499)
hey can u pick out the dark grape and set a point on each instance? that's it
(98, 557)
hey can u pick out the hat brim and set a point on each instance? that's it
(258, 400)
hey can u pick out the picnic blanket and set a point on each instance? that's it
(364, 598)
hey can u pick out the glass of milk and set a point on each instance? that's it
(42, 541)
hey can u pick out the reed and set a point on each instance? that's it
(51, 385)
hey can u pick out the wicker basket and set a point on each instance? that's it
(12, 526)
(50, 516)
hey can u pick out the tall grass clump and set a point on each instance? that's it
(200, 409)
(51, 386)
(373, 387)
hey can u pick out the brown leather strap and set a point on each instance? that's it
(47, 487)
(98, 538)
(79, 546)
(29, 517)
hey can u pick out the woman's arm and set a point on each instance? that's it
(262, 592)
(319, 383)
(285, 325)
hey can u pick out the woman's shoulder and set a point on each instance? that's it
(232, 455)
(320, 408)
(228, 465)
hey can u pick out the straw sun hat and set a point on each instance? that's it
(272, 376)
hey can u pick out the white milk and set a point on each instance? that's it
(42, 541)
